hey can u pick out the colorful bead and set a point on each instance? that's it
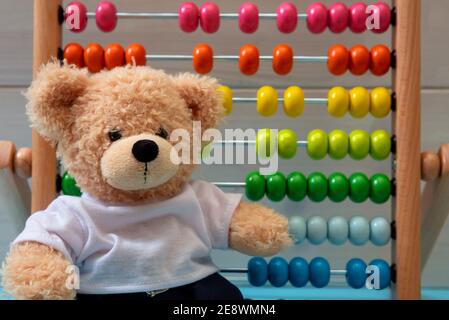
(298, 272)
(209, 17)
(380, 105)
(203, 58)
(296, 186)
(227, 98)
(320, 272)
(359, 144)
(276, 187)
(338, 144)
(359, 102)
(359, 231)
(338, 187)
(317, 187)
(338, 60)
(383, 11)
(337, 102)
(384, 274)
(264, 141)
(74, 54)
(380, 231)
(380, 60)
(94, 57)
(136, 54)
(267, 101)
(356, 273)
(106, 16)
(248, 17)
(249, 59)
(257, 272)
(338, 17)
(316, 230)
(114, 56)
(316, 17)
(358, 17)
(317, 144)
(75, 16)
(286, 17)
(287, 144)
(282, 59)
(188, 17)
(255, 186)
(278, 272)
(297, 228)
(293, 101)
(380, 188)
(359, 187)
(359, 60)
(380, 145)
(69, 186)
(338, 230)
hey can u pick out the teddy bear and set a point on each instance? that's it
(143, 229)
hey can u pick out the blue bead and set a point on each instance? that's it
(337, 230)
(384, 273)
(359, 231)
(380, 231)
(257, 271)
(297, 228)
(320, 272)
(278, 272)
(316, 230)
(298, 272)
(356, 273)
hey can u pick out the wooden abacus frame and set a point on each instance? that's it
(406, 126)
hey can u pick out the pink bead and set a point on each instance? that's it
(188, 18)
(75, 16)
(384, 13)
(209, 17)
(248, 17)
(338, 17)
(316, 17)
(106, 16)
(286, 17)
(357, 17)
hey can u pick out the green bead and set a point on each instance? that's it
(317, 187)
(380, 188)
(255, 186)
(276, 187)
(338, 144)
(380, 147)
(359, 144)
(338, 187)
(359, 187)
(69, 186)
(317, 144)
(296, 186)
(287, 143)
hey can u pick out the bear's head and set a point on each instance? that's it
(112, 128)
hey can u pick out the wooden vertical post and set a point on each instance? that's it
(407, 127)
(47, 40)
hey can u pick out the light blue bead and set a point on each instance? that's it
(320, 272)
(257, 271)
(384, 273)
(337, 230)
(380, 232)
(356, 273)
(359, 231)
(316, 230)
(297, 228)
(298, 272)
(278, 272)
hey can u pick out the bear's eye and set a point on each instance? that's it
(114, 135)
(161, 132)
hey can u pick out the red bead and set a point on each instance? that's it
(282, 59)
(358, 17)
(338, 17)
(249, 59)
(316, 17)
(114, 56)
(136, 54)
(286, 17)
(359, 61)
(106, 16)
(337, 60)
(75, 16)
(74, 54)
(248, 17)
(94, 57)
(209, 17)
(380, 60)
(188, 17)
(203, 59)
(381, 13)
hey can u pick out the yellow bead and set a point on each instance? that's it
(338, 102)
(359, 102)
(380, 102)
(227, 98)
(267, 101)
(264, 140)
(293, 101)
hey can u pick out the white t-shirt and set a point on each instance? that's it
(124, 249)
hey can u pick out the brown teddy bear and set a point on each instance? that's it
(142, 229)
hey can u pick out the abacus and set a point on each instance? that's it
(403, 189)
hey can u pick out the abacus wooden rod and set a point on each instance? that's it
(173, 15)
(188, 57)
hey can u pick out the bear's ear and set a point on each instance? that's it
(202, 97)
(51, 96)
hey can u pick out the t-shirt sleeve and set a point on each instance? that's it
(57, 227)
(218, 208)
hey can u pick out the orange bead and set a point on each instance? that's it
(94, 57)
(114, 56)
(380, 60)
(359, 60)
(249, 59)
(136, 54)
(282, 59)
(337, 60)
(73, 54)
(203, 58)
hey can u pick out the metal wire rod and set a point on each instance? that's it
(245, 270)
(186, 57)
(172, 15)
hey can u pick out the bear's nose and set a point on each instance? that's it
(145, 150)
